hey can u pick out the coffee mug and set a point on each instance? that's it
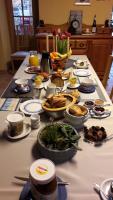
(15, 121)
(51, 89)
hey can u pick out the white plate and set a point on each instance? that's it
(25, 132)
(77, 65)
(73, 86)
(30, 72)
(31, 106)
(82, 72)
(105, 186)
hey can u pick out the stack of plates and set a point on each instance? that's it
(86, 89)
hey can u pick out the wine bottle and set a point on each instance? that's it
(94, 25)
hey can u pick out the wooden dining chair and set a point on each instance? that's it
(107, 70)
(24, 37)
(111, 94)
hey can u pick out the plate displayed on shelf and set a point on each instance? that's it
(82, 72)
(104, 188)
(25, 132)
(32, 106)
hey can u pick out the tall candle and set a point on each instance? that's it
(53, 43)
(68, 44)
(56, 43)
(47, 42)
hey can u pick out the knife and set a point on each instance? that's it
(27, 179)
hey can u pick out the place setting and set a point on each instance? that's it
(81, 64)
(82, 72)
(42, 181)
(98, 109)
(17, 128)
(19, 88)
(105, 189)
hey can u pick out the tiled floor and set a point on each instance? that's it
(5, 78)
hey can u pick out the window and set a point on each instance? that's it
(23, 16)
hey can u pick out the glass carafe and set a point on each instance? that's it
(45, 62)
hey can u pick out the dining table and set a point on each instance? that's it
(93, 164)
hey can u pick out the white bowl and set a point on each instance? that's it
(76, 121)
(21, 82)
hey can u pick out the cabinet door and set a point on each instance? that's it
(79, 46)
(98, 53)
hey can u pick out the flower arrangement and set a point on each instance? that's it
(61, 41)
(61, 49)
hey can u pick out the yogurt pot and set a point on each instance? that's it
(43, 180)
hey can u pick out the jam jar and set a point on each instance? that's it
(43, 180)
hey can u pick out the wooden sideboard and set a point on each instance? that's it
(96, 46)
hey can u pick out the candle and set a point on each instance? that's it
(56, 43)
(47, 42)
(68, 44)
(53, 43)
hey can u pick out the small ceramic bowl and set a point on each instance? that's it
(99, 102)
(99, 110)
(89, 104)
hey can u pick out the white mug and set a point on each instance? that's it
(15, 121)
(21, 82)
(51, 89)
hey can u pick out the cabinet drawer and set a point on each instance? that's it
(72, 44)
(81, 44)
(78, 44)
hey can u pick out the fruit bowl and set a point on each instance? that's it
(58, 63)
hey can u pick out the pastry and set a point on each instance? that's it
(56, 101)
(78, 110)
(95, 133)
(75, 93)
(57, 80)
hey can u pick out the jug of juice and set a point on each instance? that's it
(33, 58)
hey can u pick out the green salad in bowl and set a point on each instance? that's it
(58, 142)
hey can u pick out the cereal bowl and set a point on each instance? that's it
(77, 120)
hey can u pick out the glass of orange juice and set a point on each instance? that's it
(33, 58)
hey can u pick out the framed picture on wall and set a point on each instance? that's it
(82, 2)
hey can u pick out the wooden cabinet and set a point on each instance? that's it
(98, 52)
(96, 46)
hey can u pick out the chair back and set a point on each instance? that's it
(107, 70)
(111, 94)
(24, 36)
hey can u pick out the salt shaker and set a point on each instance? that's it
(35, 121)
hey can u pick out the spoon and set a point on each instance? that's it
(98, 189)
